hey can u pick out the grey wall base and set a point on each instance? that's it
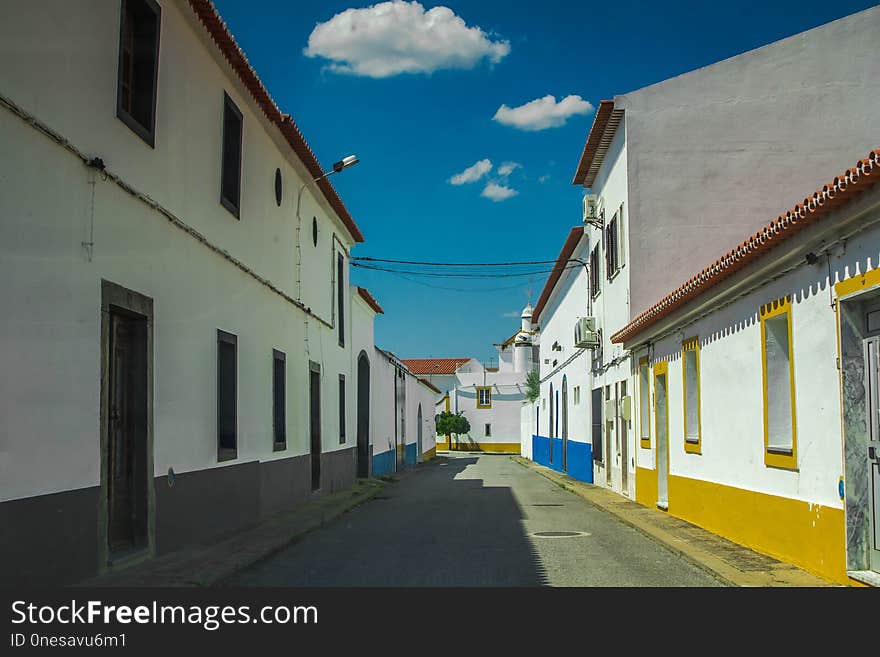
(52, 540)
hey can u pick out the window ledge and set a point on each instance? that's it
(614, 275)
(279, 447)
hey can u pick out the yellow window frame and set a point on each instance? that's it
(488, 390)
(777, 458)
(645, 440)
(661, 369)
(690, 446)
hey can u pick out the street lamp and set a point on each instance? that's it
(341, 165)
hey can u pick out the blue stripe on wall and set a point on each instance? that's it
(412, 451)
(383, 463)
(579, 462)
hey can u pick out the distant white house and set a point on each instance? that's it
(489, 397)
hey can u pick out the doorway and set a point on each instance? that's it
(872, 389)
(609, 434)
(419, 435)
(363, 416)
(662, 430)
(624, 446)
(315, 422)
(564, 424)
(127, 494)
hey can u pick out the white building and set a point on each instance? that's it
(490, 398)
(177, 347)
(676, 172)
(404, 433)
(763, 370)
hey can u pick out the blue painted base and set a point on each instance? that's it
(412, 454)
(579, 461)
(383, 463)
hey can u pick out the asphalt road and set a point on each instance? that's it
(475, 520)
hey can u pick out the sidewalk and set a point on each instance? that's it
(730, 562)
(211, 564)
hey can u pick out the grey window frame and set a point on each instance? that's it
(233, 205)
(146, 133)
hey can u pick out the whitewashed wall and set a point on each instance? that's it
(51, 342)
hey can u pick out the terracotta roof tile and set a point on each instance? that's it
(371, 301)
(430, 385)
(219, 32)
(571, 241)
(598, 140)
(813, 208)
(433, 365)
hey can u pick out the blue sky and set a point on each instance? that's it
(413, 131)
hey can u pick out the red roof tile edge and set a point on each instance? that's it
(371, 301)
(571, 241)
(813, 208)
(430, 385)
(600, 121)
(452, 364)
(210, 18)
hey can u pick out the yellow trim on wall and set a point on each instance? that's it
(646, 486)
(488, 390)
(499, 448)
(858, 283)
(431, 453)
(691, 344)
(810, 536)
(661, 369)
(774, 459)
(645, 441)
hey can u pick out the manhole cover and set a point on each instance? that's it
(559, 534)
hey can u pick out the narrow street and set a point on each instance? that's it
(475, 520)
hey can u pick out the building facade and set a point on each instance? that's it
(178, 358)
(758, 380)
(660, 168)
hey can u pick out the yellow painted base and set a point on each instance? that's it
(431, 453)
(442, 446)
(498, 448)
(810, 536)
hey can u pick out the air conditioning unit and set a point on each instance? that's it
(591, 207)
(585, 334)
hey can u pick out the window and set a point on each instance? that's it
(138, 67)
(644, 404)
(577, 395)
(230, 184)
(341, 409)
(484, 397)
(690, 366)
(227, 412)
(621, 241)
(611, 248)
(488, 431)
(596, 413)
(594, 271)
(780, 436)
(279, 399)
(340, 297)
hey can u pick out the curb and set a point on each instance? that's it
(658, 535)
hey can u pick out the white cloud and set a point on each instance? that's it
(542, 113)
(498, 192)
(507, 168)
(389, 38)
(513, 313)
(544, 178)
(473, 173)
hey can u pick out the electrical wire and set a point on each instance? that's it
(456, 264)
(465, 275)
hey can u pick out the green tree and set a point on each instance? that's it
(452, 424)
(533, 386)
